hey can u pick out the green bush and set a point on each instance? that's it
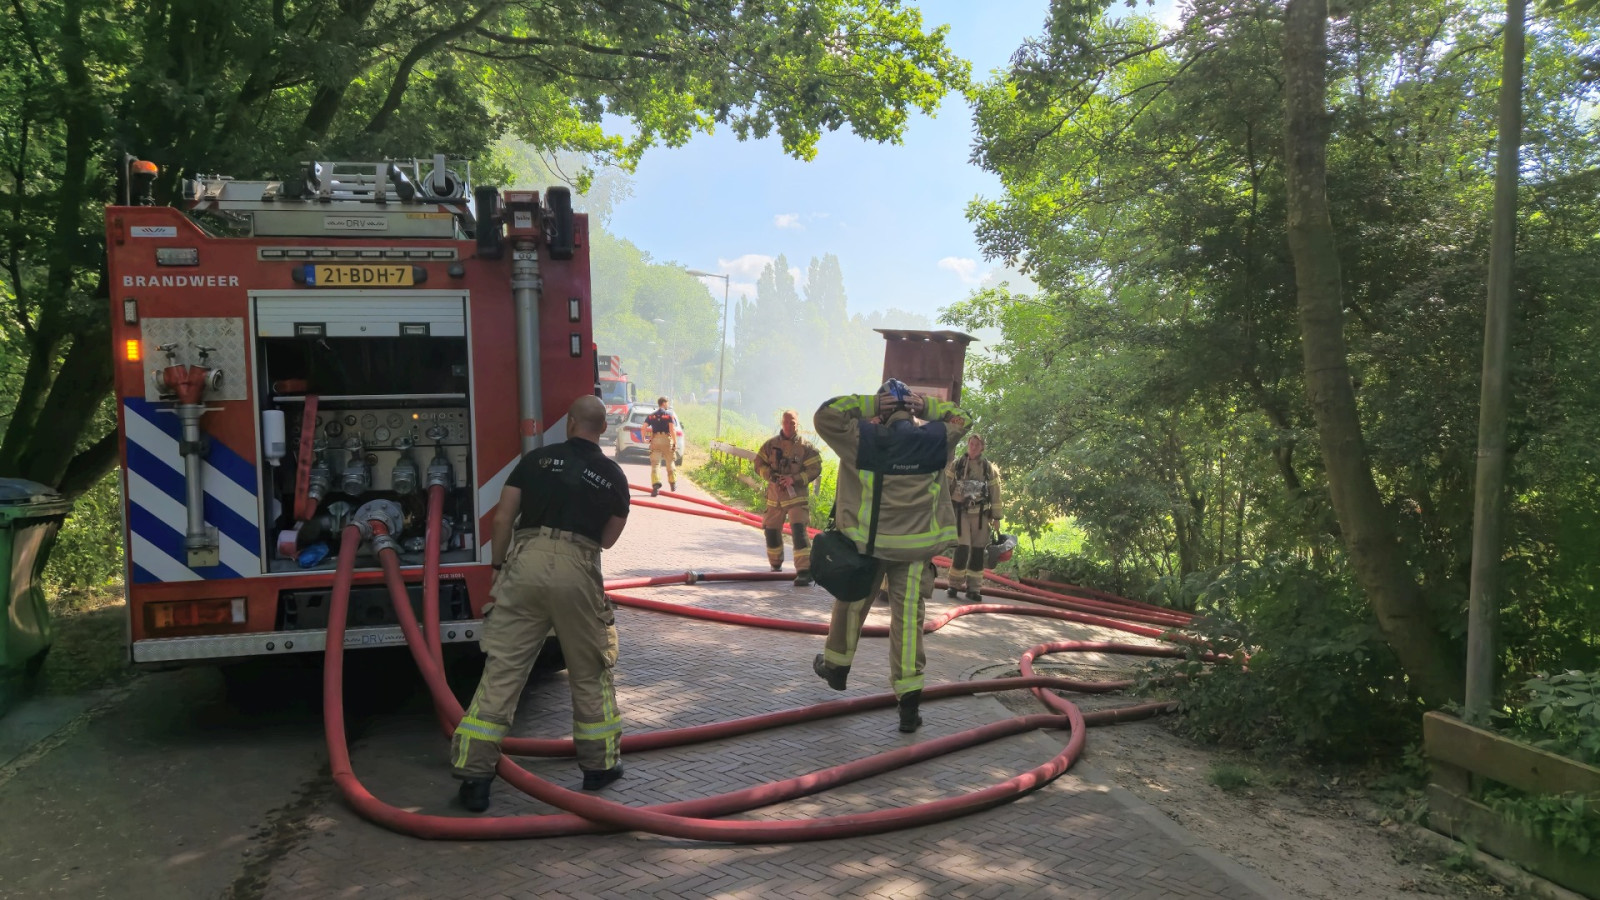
(1309, 674)
(88, 550)
(1568, 821)
(1080, 569)
(1561, 713)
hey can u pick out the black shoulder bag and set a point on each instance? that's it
(886, 451)
(836, 564)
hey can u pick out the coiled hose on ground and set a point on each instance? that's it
(698, 819)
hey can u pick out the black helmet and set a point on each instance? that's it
(999, 549)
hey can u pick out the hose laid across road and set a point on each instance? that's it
(697, 819)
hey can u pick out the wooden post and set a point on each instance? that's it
(1488, 497)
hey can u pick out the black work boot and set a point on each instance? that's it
(655, 489)
(910, 719)
(474, 793)
(673, 487)
(595, 779)
(834, 675)
(974, 596)
(777, 566)
(803, 578)
(952, 592)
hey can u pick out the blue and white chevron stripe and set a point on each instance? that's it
(156, 517)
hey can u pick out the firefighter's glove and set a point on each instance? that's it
(889, 403)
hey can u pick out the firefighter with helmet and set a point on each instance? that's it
(788, 463)
(975, 490)
(663, 425)
(911, 523)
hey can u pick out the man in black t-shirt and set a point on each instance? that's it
(561, 506)
(663, 427)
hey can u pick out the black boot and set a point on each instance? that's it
(834, 675)
(674, 487)
(951, 593)
(474, 793)
(910, 719)
(595, 779)
(777, 566)
(803, 578)
(655, 489)
(974, 596)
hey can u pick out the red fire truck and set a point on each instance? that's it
(288, 351)
(616, 390)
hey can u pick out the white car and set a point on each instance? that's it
(633, 435)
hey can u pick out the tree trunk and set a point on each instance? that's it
(69, 412)
(1368, 529)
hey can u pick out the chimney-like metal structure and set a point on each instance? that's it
(929, 362)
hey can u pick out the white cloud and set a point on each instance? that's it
(964, 269)
(788, 220)
(747, 267)
(744, 271)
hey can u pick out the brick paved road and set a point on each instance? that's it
(277, 831)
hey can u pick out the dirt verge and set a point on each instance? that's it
(1317, 833)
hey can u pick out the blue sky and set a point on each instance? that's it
(894, 215)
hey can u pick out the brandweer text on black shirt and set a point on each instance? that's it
(571, 486)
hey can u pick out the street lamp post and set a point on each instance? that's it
(722, 357)
(661, 363)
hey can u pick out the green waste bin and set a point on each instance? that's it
(30, 516)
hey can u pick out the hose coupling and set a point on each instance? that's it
(379, 517)
(439, 474)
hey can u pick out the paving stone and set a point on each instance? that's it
(1069, 838)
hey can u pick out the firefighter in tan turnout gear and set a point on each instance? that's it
(788, 463)
(561, 506)
(882, 448)
(663, 425)
(975, 490)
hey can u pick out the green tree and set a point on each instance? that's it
(251, 88)
(1368, 529)
(797, 345)
(1145, 190)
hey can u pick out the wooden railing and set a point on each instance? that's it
(1462, 755)
(745, 469)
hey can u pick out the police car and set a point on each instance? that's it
(633, 435)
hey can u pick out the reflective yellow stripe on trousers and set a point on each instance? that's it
(608, 729)
(910, 630)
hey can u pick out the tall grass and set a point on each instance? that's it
(729, 476)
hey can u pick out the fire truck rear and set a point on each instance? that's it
(291, 351)
(616, 391)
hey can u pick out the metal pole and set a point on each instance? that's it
(1488, 497)
(195, 538)
(722, 358)
(525, 287)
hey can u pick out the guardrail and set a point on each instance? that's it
(732, 450)
(1462, 756)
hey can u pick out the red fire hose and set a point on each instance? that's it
(694, 819)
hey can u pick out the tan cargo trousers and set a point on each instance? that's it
(663, 449)
(551, 582)
(799, 516)
(909, 585)
(971, 541)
